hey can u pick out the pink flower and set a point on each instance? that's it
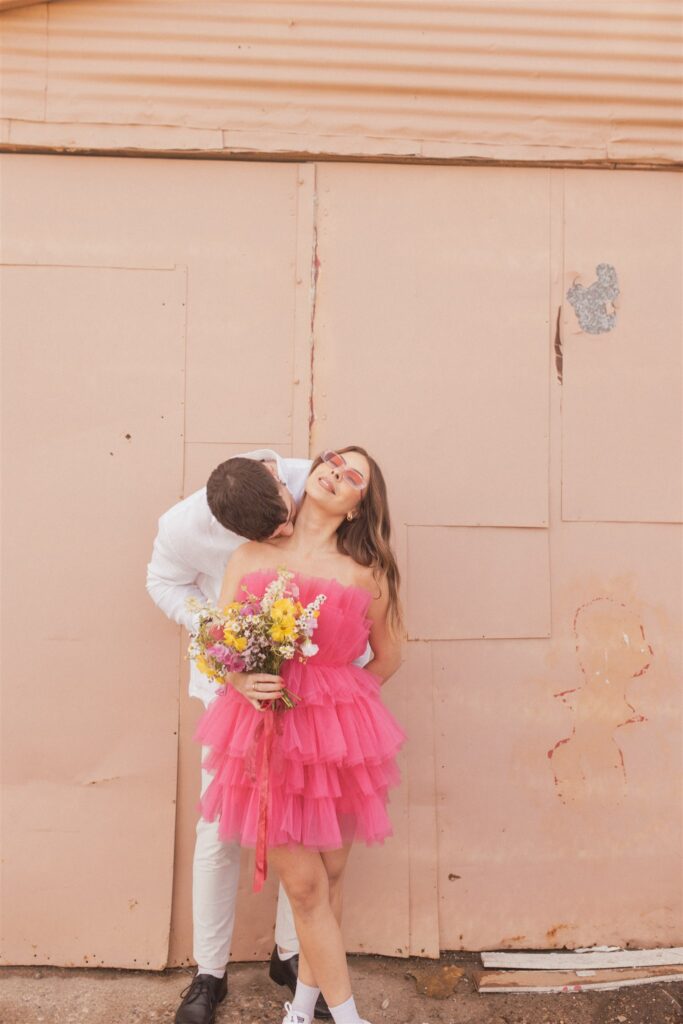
(228, 658)
(219, 652)
(216, 632)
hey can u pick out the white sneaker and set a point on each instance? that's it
(295, 1016)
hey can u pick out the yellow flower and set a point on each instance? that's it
(284, 630)
(316, 614)
(282, 608)
(205, 668)
(233, 606)
(240, 643)
(229, 637)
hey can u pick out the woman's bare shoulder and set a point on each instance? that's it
(252, 555)
(366, 576)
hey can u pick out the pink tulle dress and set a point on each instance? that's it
(316, 775)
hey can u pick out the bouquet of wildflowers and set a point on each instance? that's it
(256, 634)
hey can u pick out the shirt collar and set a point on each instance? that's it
(268, 453)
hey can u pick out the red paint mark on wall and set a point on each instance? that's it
(612, 651)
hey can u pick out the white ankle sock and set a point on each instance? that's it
(305, 998)
(285, 954)
(211, 971)
(346, 1013)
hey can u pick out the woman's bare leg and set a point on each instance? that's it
(312, 882)
(335, 864)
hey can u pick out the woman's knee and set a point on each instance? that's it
(335, 867)
(335, 872)
(307, 893)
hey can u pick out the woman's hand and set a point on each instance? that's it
(257, 686)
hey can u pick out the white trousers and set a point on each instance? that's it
(215, 878)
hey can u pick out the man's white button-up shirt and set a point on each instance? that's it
(191, 551)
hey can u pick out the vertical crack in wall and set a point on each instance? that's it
(558, 345)
(315, 267)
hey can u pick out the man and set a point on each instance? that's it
(249, 497)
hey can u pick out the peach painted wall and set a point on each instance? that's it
(535, 476)
(527, 411)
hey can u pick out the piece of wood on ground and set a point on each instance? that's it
(572, 981)
(573, 959)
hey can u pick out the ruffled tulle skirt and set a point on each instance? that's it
(326, 766)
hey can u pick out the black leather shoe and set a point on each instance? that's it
(285, 972)
(201, 997)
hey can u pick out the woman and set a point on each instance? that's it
(333, 754)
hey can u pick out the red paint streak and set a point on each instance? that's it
(315, 270)
(559, 744)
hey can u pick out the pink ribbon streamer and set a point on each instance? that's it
(261, 864)
(270, 723)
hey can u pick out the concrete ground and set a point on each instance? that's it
(385, 990)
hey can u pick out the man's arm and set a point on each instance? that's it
(171, 580)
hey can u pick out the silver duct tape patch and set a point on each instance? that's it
(592, 304)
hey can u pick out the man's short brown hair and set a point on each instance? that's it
(244, 497)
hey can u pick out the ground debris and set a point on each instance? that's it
(123, 996)
(438, 981)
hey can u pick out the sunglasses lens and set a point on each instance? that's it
(332, 457)
(354, 477)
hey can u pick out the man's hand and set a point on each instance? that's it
(256, 687)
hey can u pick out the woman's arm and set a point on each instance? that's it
(269, 687)
(385, 643)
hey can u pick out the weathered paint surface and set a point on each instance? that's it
(494, 80)
(622, 442)
(611, 651)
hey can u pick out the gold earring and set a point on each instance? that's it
(349, 516)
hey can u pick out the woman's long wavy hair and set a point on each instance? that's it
(367, 537)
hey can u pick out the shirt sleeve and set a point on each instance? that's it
(365, 657)
(171, 579)
(298, 465)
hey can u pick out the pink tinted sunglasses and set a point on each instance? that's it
(348, 473)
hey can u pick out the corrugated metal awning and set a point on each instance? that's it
(496, 79)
